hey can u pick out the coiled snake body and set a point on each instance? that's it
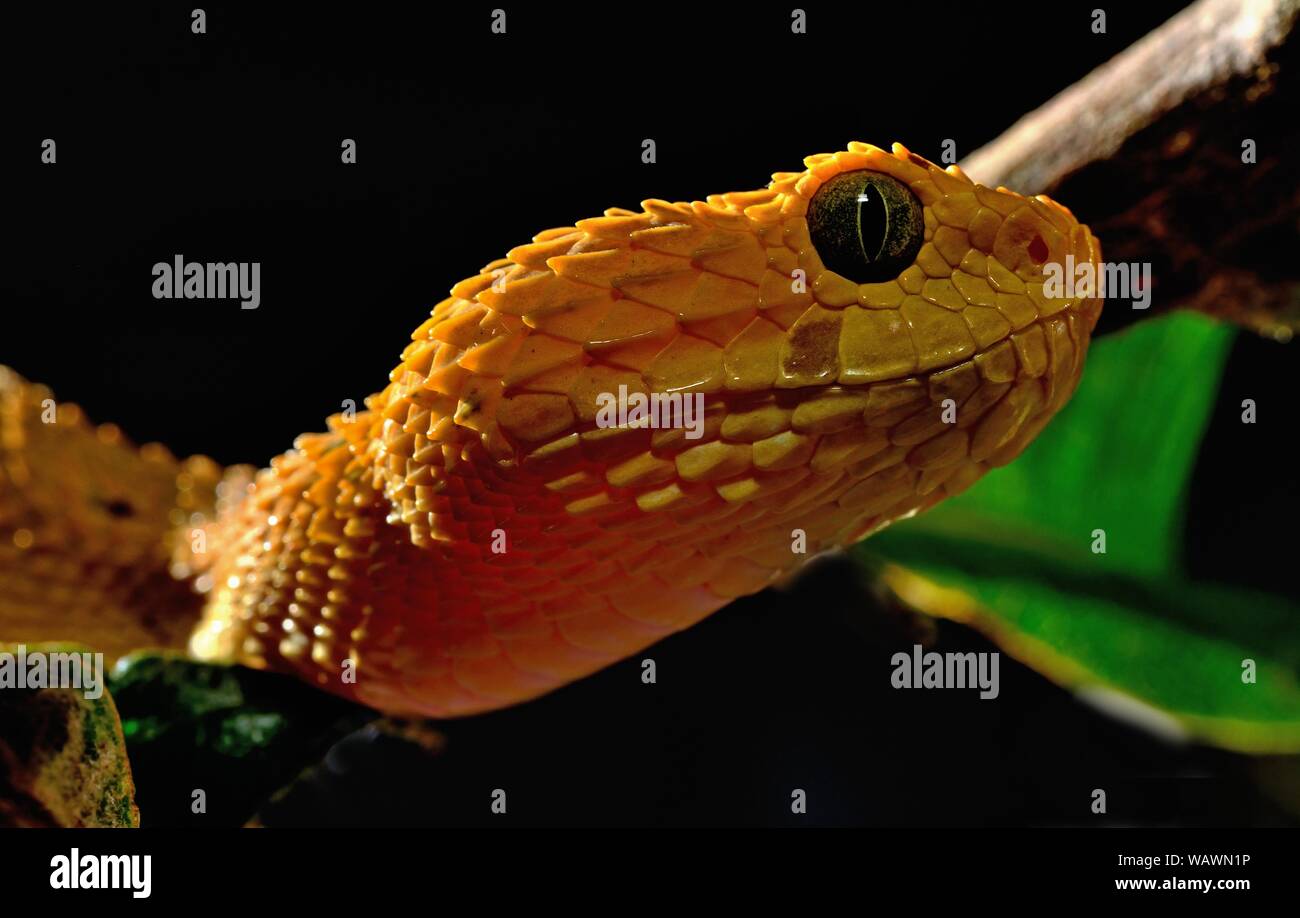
(869, 335)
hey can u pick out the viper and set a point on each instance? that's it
(870, 335)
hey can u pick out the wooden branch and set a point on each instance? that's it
(1148, 150)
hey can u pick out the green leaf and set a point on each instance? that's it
(1015, 553)
(235, 733)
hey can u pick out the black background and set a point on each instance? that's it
(225, 147)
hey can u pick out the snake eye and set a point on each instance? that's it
(867, 226)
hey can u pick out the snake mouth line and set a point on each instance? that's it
(792, 397)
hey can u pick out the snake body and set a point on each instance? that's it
(476, 536)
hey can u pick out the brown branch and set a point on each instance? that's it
(1147, 149)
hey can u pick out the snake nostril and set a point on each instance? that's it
(1038, 250)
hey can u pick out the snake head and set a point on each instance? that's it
(872, 285)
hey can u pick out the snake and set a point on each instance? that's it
(862, 339)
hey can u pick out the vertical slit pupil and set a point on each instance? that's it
(873, 221)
